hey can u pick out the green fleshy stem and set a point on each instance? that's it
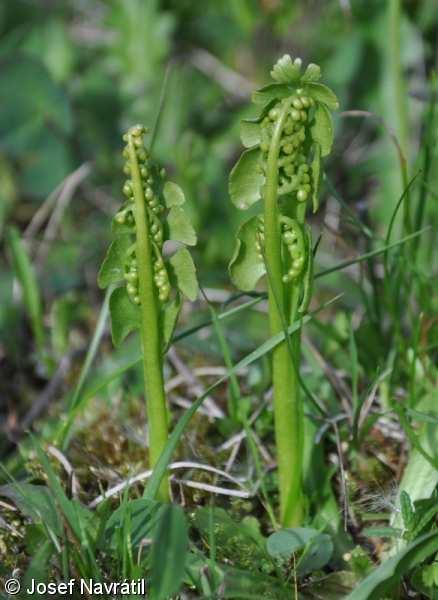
(150, 321)
(283, 304)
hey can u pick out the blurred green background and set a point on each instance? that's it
(75, 74)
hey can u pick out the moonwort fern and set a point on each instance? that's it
(149, 297)
(282, 167)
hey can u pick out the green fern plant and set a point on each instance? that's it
(149, 298)
(282, 167)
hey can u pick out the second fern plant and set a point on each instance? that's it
(281, 167)
(150, 297)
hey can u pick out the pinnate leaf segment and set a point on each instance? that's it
(165, 220)
(303, 105)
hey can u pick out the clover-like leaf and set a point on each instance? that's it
(286, 71)
(321, 93)
(246, 179)
(286, 542)
(322, 129)
(272, 91)
(315, 170)
(312, 73)
(316, 555)
(317, 547)
(179, 227)
(112, 268)
(125, 316)
(184, 271)
(246, 267)
(171, 312)
(173, 194)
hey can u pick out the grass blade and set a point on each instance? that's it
(347, 263)
(169, 550)
(366, 231)
(76, 400)
(25, 274)
(161, 103)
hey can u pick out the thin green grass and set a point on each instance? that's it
(75, 400)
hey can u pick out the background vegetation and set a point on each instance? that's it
(73, 76)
